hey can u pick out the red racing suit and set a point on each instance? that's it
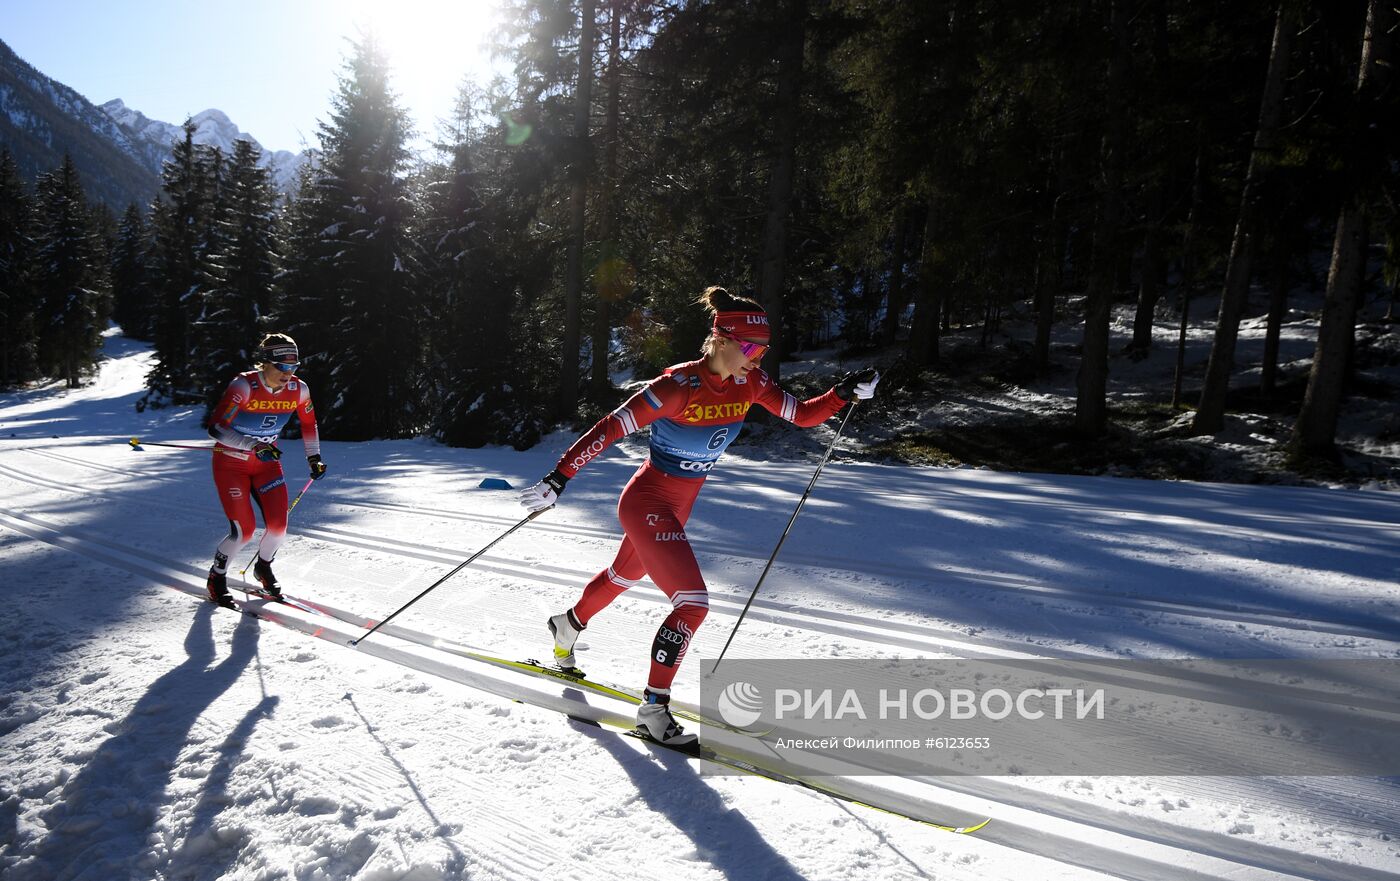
(694, 415)
(249, 413)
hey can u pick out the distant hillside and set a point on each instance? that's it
(40, 119)
(118, 150)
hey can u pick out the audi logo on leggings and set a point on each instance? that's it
(668, 646)
(666, 634)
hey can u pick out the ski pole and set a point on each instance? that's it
(460, 566)
(290, 509)
(137, 444)
(773, 556)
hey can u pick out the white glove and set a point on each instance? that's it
(543, 495)
(866, 390)
(859, 385)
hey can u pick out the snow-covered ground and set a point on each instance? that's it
(984, 392)
(145, 734)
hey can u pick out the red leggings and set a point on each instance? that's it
(653, 511)
(240, 482)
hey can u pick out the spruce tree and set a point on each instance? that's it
(1369, 165)
(302, 280)
(131, 294)
(361, 327)
(468, 292)
(68, 276)
(179, 267)
(17, 297)
(254, 241)
(242, 250)
(210, 359)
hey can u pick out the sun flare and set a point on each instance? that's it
(432, 47)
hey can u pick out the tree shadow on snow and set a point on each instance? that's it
(102, 825)
(723, 837)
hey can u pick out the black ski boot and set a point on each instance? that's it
(262, 571)
(218, 590)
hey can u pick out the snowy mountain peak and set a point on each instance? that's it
(218, 117)
(216, 129)
(153, 139)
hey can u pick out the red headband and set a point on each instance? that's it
(745, 325)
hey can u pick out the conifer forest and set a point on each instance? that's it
(884, 176)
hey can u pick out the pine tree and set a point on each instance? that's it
(725, 171)
(302, 280)
(179, 270)
(131, 293)
(68, 275)
(1369, 162)
(361, 328)
(1091, 402)
(18, 335)
(209, 304)
(469, 296)
(243, 250)
(580, 173)
(1210, 414)
(488, 277)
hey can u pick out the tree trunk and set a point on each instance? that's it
(773, 265)
(1050, 271)
(1091, 403)
(895, 300)
(1154, 264)
(1278, 304)
(922, 347)
(1154, 271)
(1210, 414)
(1046, 288)
(1188, 261)
(573, 278)
(1315, 432)
(608, 280)
(1316, 429)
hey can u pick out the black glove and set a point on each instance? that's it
(543, 495)
(318, 468)
(858, 383)
(266, 452)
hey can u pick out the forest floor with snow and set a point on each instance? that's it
(984, 405)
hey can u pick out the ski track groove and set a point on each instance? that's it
(846, 485)
(770, 612)
(763, 610)
(1356, 626)
(1027, 834)
(373, 771)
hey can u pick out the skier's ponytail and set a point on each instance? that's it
(716, 299)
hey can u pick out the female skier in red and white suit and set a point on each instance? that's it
(695, 411)
(247, 460)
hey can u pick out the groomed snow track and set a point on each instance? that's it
(1069, 831)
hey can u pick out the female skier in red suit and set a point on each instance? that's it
(247, 460)
(695, 411)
